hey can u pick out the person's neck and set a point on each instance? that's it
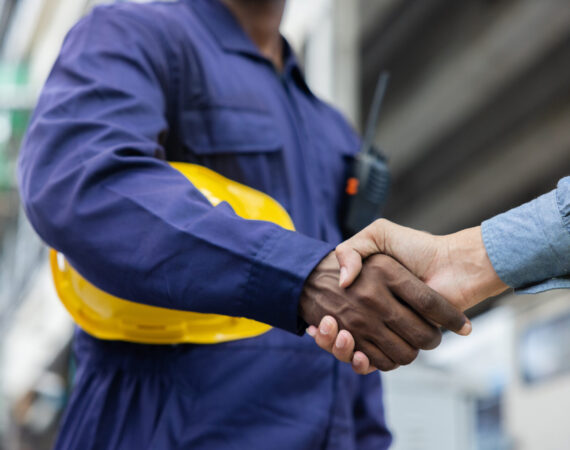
(260, 19)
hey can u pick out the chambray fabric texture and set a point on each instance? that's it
(135, 86)
(529, 246)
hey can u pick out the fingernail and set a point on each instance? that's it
(311, 331)
(326, 326)
(342, 277)
(340, 341)
(466, 329)
(357, 361)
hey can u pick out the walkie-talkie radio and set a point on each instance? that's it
(369, 178)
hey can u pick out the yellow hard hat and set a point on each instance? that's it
(107, 317)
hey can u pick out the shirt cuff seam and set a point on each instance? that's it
(556, 207)
(291, 276)
(564, 219)
(257, 258)
(489, 239)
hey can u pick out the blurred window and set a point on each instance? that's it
(544, 350)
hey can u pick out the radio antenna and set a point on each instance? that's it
(372, 121)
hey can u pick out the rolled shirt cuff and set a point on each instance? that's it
(553, 283)
(530, 245)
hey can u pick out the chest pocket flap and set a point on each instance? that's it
(218, 130)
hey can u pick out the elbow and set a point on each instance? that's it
(36, 207)
(44, 206)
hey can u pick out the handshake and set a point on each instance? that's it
(384, 293)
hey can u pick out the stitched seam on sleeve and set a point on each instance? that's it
(564, 219)
(552, 245)
(250, 286)
(489, 238)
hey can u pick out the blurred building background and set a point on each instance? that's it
(476, 120)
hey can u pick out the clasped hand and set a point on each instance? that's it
(384, 294)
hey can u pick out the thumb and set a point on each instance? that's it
(351, 252)
(350, 263)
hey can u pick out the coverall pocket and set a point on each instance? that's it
(240, 143)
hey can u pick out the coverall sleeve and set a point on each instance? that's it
(529, 246)
(94, 187)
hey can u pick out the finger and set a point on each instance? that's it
(361, 364)
(312, 331)
(428, 303)
(465, 329)
(394, 347)
(343, 348)
(326, 335)
(417, 332)
(376, 356)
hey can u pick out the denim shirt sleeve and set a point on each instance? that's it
(529, 246)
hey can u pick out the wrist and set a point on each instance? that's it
(308, 310)
(468, 251)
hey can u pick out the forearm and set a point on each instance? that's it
(162, 243)
(94, 187)
(467, 251)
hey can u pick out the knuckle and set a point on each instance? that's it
(356, 322)
(376, 226)
(366, 302)
(368, 295)
(386, 268)
(392, 318)
(340, 248)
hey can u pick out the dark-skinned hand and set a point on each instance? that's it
(388, 311)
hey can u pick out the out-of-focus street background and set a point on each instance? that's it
(476, 120)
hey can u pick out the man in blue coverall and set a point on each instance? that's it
(211, 82)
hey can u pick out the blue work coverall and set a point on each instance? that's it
(137, 85)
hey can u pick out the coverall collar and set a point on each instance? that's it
(224, 26)
(231, 37)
